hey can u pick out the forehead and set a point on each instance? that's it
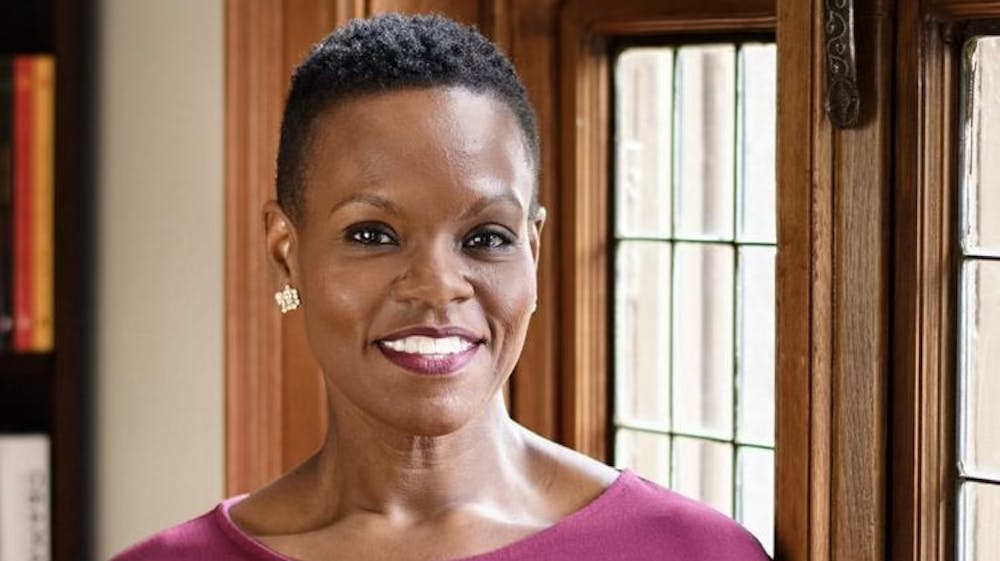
(431, 134)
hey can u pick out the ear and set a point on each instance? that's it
(535, 234)
(280, 239)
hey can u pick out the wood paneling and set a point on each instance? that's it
(462, 10)
(536, 382)
(923, 427)
(802, 386)
(833, 282)
(274, 400)
(959, 9)
(636, 17)
(861, 220)
(584, 203)
(253, 360)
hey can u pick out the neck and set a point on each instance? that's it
(366, 466)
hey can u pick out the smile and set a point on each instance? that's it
(429, 355)
(429, 346)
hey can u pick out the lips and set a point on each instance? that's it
(431, 350)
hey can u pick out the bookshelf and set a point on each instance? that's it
(48, 392)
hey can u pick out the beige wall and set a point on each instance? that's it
(159, 308)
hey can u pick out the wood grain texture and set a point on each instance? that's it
(793, 405)
(833, 280)
(862, 165)
(466, 11)
(921, 524)
(584, 196)
(303, 397)
(655, 17)
(804, 291)
(951, 10)
(253, 332)
(530, 39)
(275, 408)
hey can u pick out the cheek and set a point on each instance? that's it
(338, 297)
(509, 296)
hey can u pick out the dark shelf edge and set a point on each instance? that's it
(27, 364)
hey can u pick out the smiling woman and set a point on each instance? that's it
(414, 236)
(406, 230)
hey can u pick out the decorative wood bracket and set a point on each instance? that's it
(843, 101)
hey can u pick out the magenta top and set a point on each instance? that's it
(632, 520)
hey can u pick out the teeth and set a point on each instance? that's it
(429, 345)
(411, 345)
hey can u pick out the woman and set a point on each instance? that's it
(406, 230)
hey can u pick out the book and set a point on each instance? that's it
(25, 507)
(6, 226)
(22, 212)
(42, 171)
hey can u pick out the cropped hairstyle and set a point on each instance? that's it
(387, 53)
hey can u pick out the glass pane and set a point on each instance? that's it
(981, 125)
(757, 112)
(645, 453)
(703, 339)
(979, 520)
(756, 345)
(706, 113)
(642, 333)
(644, 107)
(755, 503)
(703, 470)
(980, 355)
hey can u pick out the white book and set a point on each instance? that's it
(25, 520)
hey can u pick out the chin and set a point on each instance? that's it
(434, 419)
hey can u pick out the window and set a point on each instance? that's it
(979, 297)
(694, 276)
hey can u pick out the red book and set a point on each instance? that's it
(22, 208)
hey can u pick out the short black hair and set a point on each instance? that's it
(386, 53)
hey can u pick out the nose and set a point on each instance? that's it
(434, 277)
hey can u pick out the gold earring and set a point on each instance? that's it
(287, 299)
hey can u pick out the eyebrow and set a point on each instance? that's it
(368, 199)
(388, 206)
(485, 202)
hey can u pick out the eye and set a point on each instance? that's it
(488, 239)
(375, 234)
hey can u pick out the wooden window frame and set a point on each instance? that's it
(588, 29)
(923, 507)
